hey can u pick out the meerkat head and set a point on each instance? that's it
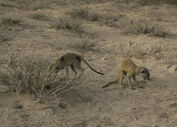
(145, 73)
(58, 67)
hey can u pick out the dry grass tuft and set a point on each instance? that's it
(143, 27)
(39, 16)
(30, 74)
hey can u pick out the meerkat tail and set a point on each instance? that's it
(91, 67)
(110, 83)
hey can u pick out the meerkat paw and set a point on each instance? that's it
(140, 86)
(133, 88)
(123, 87)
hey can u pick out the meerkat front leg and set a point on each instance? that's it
(129, 83)
(67, 72)
(136, 82)
(81, 72)
(78, 66)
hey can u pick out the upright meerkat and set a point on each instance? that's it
(73, 61)
(130, 69)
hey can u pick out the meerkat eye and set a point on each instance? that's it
(143, 71)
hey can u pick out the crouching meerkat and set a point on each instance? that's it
(73, 61)
(129, 69)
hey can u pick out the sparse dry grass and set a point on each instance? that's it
(93, 1)
(157, 2)
(144, 27)
(124, 1)
(7, 4)
(141, 49)
(39, 16)
(85, 13)
(31, 4)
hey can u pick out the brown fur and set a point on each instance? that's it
(73, 61)
(130, 69)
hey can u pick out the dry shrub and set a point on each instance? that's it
(93, 1)
(144, 27)
(8, 28)
(69, 24)
(31, 4)
(124, 1)
(7, 4)
(9, 21)
(141, 49)
(110, 20)
(5, 35)
(30, 74)
(85, 13)
(82, 45)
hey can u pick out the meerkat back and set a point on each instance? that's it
(70, 58)
(127, 65)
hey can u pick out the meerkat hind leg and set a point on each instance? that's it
(120, 78)
(74, 70)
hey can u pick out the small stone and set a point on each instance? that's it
(173, 105)
(104, 58)
(163, 115)
(173, 68)
(4, 89)
(63, 105)
(18, 105)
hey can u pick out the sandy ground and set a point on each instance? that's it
(94, 107)
(87, 104)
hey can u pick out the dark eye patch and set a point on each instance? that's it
(143, 71)
(62, 58)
